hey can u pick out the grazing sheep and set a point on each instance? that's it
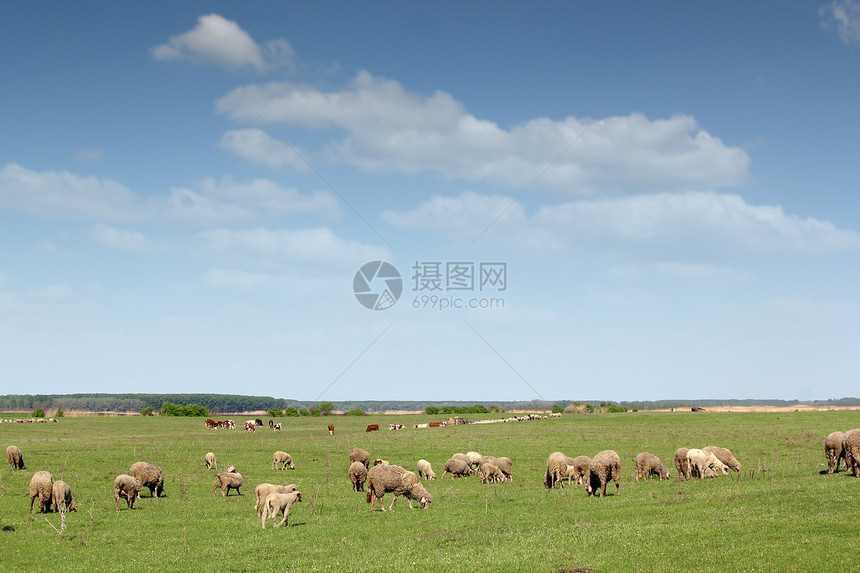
(380, 462)
(226, 482)
(425, 470)
(279, 502)
(725, 456)
(62, 497)
(648, 465)
(148, 475)
(15, 457)
(359, 455)
(475, 458)
(605, 466)
(681, 463)
(211, 464)
(456, 468)
(556, 468)
(357, 475)
(504, 464)
(41, 486)
(578, 469)
(700, 461)
(384, 479)
(834, 450)
(126, 486)
(852, 451)
(283, 459)
(264, 489)
(490, 473)
(462, 457)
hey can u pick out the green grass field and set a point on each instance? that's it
(778, 514)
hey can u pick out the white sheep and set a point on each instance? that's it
(425, 470)
(264, 489)
(700, 461)
(279, 502)
(283, 459)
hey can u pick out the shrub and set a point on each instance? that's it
(355, 412)
(291, 412)
(59, 413)
(171, 409)
(556, 409)
(326, 408)
(315, 411)
(148, 411)
(40, 413)
(304, 412)
(431, 410)
(275, 413)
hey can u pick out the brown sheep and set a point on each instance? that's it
(383, 479)
(681, 463)
(41, 486)
(504, 464)
(724, 456)
(605, 466)
(577, 469)
(648, 465)
(357, 475)
(359, 455)
(61, 494)
(126, 486)
(226, 482)
(834, 450)
(852, 451)
(456, 468)
(490, 473)
(148, 475)
(15, 457)
(556, 469)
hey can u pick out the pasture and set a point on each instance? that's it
(778, 514)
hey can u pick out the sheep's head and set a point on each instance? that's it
(425, 502)
(73, 507)
(664, 473)
(298, 495)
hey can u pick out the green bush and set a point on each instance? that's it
(40, 413)
(170, 409)
(556, 409)
(355, 412)
(304, 412)
(315, 411)
(431, 410)
(59, 413)
(291, 412)
(326, 408)
(275, 413)
(148, 411)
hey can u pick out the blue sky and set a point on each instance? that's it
(187, 192)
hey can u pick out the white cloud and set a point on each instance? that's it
(89, 155)
(221, 42)
(67, 196)
(689, 220)
(244, 281)
(119, 239)
(391, 129)
(257, 147)
(844, 16)
(313, 245)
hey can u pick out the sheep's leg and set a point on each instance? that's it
(264, 514)
(391, 507)
(286, 515)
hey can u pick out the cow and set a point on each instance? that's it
(250, 426)
(372, 428)
(276, 427)
(436, 424)
(395, 426)
(331, 429)
(271, 424)
(210, 423)
(258, 421)
(230, 424)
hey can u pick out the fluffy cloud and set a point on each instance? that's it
(221, 42)
(258, 147)
(67, 196)
(844, 16)
(689, 220)
(311, 245)
(388, 128)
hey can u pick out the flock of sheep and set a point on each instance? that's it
(271, 500)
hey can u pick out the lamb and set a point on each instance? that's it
(578, 469)
(41, 486)
(852, 451)
(284, 459)
(556, 468)
(648, 465)
(725, 456)
(148, 475)
(681, 463)
(490, 473)
(359, 455)
(226, 482)
(456, 468)
(264, 489)
(211, 464)
(700, 461)
(279, 502)
(425, 470)
(126, 486)
(504, 464)
(358, 475)
(15, 457)
(62, 497)
(604, 466)
(384, 479)
(834, 450)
